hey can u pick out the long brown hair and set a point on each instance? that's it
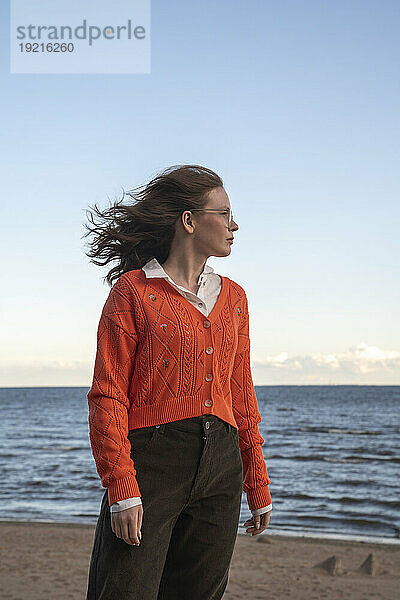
(131, 234)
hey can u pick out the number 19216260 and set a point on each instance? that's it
(49, 47)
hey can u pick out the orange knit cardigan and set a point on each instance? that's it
(160, 359)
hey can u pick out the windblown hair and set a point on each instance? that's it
(131, 234)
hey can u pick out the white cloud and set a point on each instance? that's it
(361, 364)
(46, 373)
(350, 366)
(279, 359)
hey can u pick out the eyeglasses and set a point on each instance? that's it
(228, 213)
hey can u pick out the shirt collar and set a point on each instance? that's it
(153, 269)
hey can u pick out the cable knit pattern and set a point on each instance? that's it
(151, 366)
(247, 416)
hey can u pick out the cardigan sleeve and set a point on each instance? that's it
(108, 397)
(247, 416)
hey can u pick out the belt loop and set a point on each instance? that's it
(161, 427)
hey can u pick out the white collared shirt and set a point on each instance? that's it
(209, 285)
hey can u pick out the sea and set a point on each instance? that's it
(332, 453)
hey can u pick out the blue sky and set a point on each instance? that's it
(296, 105)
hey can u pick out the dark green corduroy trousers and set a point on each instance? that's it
(190, 475)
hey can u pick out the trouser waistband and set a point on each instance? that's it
(201, 423)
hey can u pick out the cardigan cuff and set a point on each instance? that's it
(258, 497)
(120, 489)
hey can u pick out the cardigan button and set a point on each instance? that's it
(208, 377)
(206, 323)
(209, 350)
(208, 402)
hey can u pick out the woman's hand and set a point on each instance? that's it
(126, 524)
(262, 520)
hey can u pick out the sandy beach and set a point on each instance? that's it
(43, 561)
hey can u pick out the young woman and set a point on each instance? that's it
(173, 416)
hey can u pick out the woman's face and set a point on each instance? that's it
(212, 231)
